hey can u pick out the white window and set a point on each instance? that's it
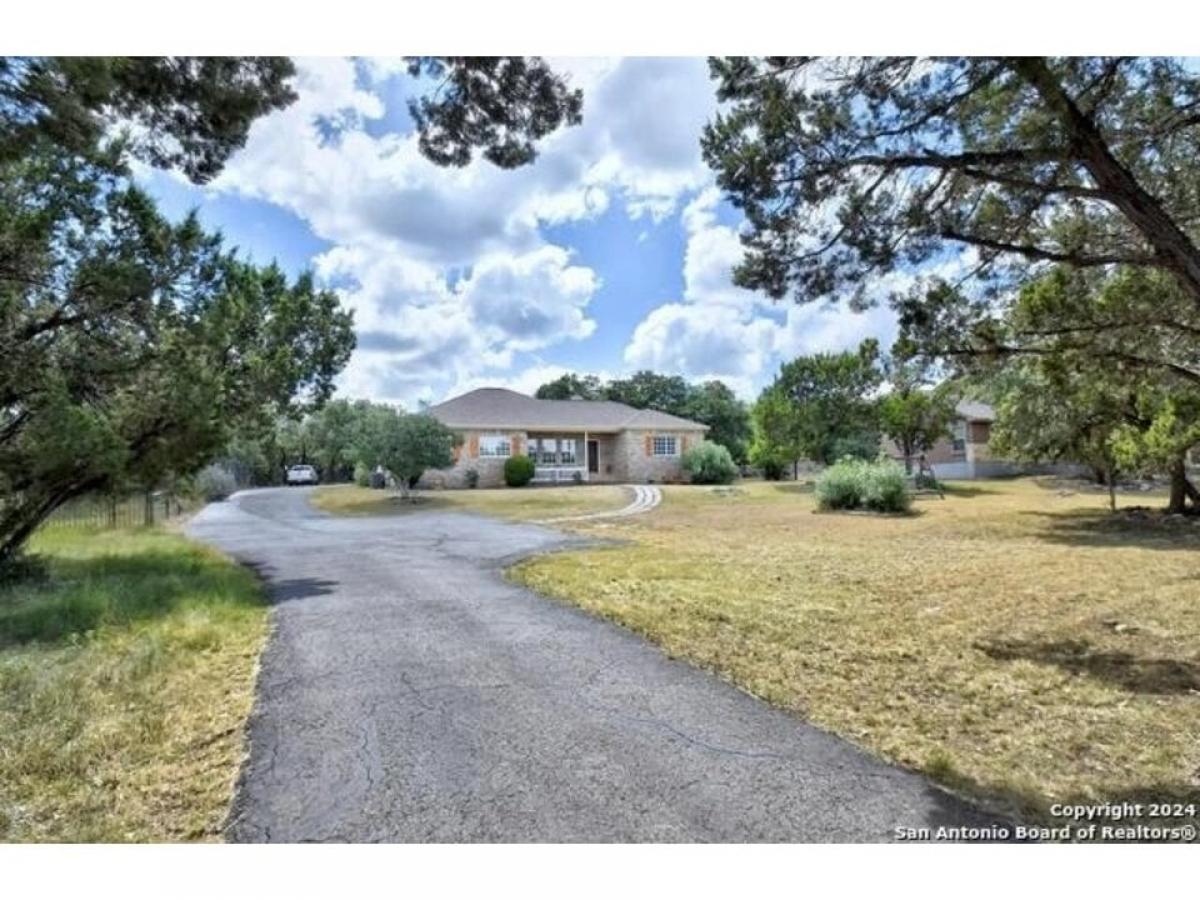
(548, 451)
(494, 445)
(664, 445)
(958, 431)
(566, 451)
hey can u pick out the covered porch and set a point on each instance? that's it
(566, 458)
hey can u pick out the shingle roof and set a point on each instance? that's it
(974, 411)
(501, 408)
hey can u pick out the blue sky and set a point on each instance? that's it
(610, 253)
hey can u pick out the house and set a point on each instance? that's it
(569, 440)
(965, 453)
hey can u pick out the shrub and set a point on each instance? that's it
(854, 484)
(215, 483)
(840, 486)
(885, 488)
(472, 478)
(518, 471)
(362, 475)
(709, 463)
(577, 477)
(377, 479)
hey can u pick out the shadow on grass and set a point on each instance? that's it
(1091, 528)
(1141, 675)
(796, 487)
(389, 505)
(80, 595)
(959, 489)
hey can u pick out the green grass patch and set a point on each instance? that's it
(126, 676)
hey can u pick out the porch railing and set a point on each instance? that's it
(559, 474)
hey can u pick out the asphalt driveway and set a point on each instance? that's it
(408, 693)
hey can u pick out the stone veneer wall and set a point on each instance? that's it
(637, 466)
(490, 468)
(624, 452)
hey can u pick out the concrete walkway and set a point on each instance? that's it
(645, 498)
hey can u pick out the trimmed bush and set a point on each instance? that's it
(215, 483)
(709, 463)
(377, 479)
(362, 475)
(518, 471)
(854, 484)
(472, 478)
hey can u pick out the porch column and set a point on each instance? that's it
(587, 462)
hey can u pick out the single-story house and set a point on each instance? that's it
(965, 454)
(569, 440)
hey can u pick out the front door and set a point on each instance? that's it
(593, 452)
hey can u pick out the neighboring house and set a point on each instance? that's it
(965, 453)
(569, 440)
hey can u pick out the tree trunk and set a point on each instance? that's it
(907, 463)
(1111, 480)
(1179, 488)
(1144, 211)
(148, 508)
(21, 521)
(112, 511)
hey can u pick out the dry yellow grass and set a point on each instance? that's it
(526, 503)
(1014, 641)
(126, 677)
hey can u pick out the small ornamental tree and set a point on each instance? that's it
(405, 444)
(709, 463)
(914, 414)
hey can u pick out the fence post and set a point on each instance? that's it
(112, 511)
(148, 508)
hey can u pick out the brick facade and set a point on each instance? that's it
(638, 464)
(623, 457)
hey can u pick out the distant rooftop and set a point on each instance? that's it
(974, 411)
(501, 408)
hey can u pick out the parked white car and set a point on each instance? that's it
(301, 475)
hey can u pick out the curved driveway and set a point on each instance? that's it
(409, 693)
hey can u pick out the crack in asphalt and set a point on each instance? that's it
(551, 724)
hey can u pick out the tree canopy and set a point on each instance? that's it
(1110, 397)
(184, 112)
(711, 402)
(405, 444)
(133, 347)
(846, 167)
(821, 407)
(916, 412)
(498, 105)
(570, 386)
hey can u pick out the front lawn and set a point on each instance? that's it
(527, 503)
(1014, 641)
(126, 676)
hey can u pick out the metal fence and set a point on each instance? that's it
(128, 511)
